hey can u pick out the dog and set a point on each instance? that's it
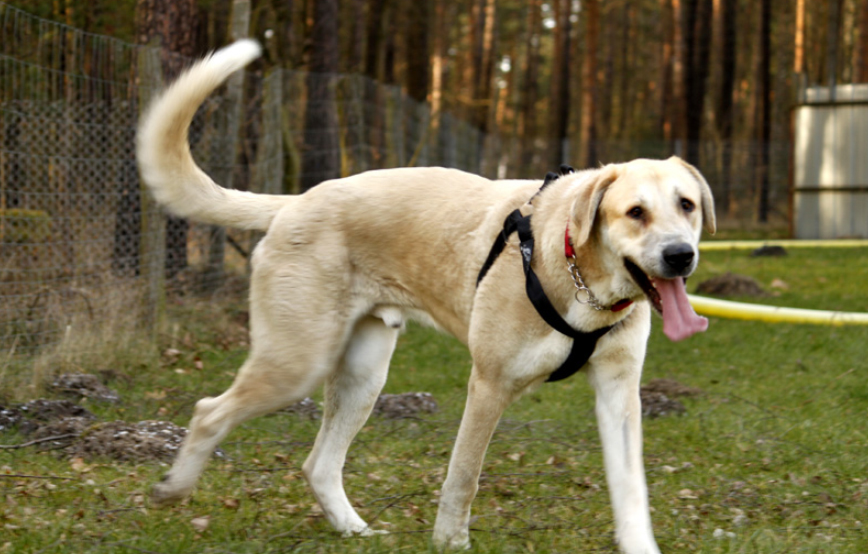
(344, 265)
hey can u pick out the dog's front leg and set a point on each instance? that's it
(619, 417)
(486, 401)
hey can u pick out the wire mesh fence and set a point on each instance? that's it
(86, 258)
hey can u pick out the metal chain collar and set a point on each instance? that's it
(590, 300)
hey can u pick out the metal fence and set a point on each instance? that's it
(86, 259)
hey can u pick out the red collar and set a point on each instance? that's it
(570, 253)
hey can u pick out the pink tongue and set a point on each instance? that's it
(679, 319)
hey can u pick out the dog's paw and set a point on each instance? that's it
(452, 543)
(162, 495)
(363, 532)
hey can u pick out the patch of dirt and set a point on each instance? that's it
(771, 251)
(657, 404)
(130, 442)
(671, 387)
(33, 415)
(83, 385)
(76, 431)
(411, 404)
(9, 418)
(658, 397)
(731, 284)
(63, 426)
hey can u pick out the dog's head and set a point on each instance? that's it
(647, 215)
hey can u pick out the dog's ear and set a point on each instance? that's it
(587, 203)
(709, 220)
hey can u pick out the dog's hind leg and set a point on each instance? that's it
(350, 395)
(261, 386)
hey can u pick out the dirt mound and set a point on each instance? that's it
(658, 397)
(63, 424)
(130, 442)
(657, 404)
(84, 385)
(9, 418)
(34, 415)
(731, 284)
(671, 387)
(411, 404)
(770, 251)
(67, 427)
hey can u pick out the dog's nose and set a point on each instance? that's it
(678, 256)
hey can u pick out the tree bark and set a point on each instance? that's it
(527, 127)
(764, 110)
(418, 60)
(373, 53)
(697, 36)
(560, 93)
(667, 58)
(168, 24)
(860, 71)
(724, 109)
(588, 132)
(832, 46)
(321, 158)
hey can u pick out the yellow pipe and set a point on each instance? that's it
(710, 245)
(771, 314)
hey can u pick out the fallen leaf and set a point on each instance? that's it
(779, 284)
(77, 464)
(200, 523)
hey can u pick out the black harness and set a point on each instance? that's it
(583, 343)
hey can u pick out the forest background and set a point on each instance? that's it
(577, 81)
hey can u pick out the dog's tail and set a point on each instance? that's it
(163, 149)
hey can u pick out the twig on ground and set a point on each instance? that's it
(19, 476)
(37, 441)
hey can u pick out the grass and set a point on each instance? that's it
(773, 458)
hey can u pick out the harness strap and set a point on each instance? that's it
(583, 343)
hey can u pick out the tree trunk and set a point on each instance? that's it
(667, 55)
(679, 57)
(764, 110)
(438, 59)
(482, 85)
(832, 47)
(588, 133)
(724, 109)
(373, 117)
(167, 24)
(527, 128)
(560, 94)
(418, 61)
(697, 37)
(321, 158)
(860, 69)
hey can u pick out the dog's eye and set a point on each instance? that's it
(636, 212)
(687, 205)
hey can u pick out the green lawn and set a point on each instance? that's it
(772, 458)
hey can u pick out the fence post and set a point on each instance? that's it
(152, 245)
(239, 28)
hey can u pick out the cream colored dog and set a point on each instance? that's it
(344, 264)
